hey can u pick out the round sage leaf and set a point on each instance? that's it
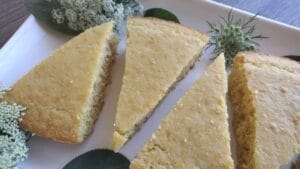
(161, 14)
(99, 159)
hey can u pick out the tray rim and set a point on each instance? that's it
(31, 18)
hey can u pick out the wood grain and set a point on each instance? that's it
(13, 13)
(280, 10)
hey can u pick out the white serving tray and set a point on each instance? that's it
(33, 42)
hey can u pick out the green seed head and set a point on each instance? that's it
(232, 38)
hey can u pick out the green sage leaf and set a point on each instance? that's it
(99, 159)
(294, 57)
(161, 14)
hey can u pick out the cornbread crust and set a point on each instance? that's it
(159, 53)
(64, 94)
(264, 92)
(195, 134)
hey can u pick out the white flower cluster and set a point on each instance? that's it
(2, 90)
(80, 15)
(13, 147)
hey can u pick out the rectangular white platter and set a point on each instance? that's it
(34, 41)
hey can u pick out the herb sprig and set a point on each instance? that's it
(232, 36)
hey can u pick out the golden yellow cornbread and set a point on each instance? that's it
(195, 134)
(64, 94)
(264, 92)
(158, 54)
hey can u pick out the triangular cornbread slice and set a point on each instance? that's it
(265, 94)
(158, 54)
(195, 134)
(65, 93)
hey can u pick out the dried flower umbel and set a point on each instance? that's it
(13, 147)
(232, 36)
(2, 91)
(75, 16)
(80, 15)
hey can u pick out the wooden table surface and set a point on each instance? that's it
(13, 13)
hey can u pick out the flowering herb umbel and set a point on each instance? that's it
(75, 16)
(232, 36)
(13, 147)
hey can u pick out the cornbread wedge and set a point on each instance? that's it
(65, 93)
(264, 92)
(158, 54)
(195, 134)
